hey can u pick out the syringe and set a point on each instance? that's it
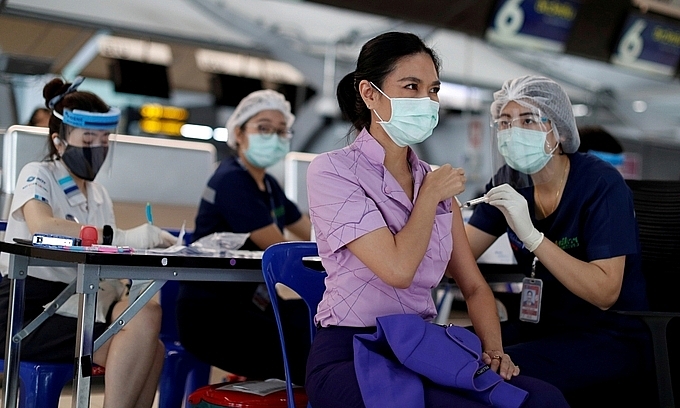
(472, 202)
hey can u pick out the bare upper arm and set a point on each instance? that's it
(36, 213)
(462, 266)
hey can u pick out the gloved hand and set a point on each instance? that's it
(143, 236)
(516, 211)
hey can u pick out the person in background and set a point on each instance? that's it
(40, 117)
(573, 232)
(388, 229)
(241, 197)
(597, 141)
(58, 196)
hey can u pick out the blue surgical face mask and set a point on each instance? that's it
(266, 150)
(524, 149)
(412, 121)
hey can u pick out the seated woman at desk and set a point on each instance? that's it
(242, 198)
(388, 229)
(572, 227)
(58, 196)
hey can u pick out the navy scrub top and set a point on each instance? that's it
(232, 202)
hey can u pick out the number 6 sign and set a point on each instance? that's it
(648, 44)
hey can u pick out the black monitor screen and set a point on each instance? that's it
(230, 89)
(140, 78)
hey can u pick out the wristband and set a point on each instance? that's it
(107, 235)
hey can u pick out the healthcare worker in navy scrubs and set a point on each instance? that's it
(571, 224)
(231, 325)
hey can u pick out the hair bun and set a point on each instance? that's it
(53, 88)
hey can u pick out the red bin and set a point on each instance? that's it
(211, 396)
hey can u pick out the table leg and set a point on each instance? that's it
(18, 269)
(136, 305)
(87, 284)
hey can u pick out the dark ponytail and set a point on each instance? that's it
(351, 105)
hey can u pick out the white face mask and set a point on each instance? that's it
(412, 121)
(266, 150)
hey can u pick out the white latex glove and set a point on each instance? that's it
(143, 236)
(516, 211)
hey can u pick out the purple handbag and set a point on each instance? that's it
(390, 363)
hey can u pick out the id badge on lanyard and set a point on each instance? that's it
(532, 295)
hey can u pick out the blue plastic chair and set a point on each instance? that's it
(283, 263)
(40, 384)
(182, 372)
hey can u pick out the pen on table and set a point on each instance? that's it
(149, 216)
(472, 202)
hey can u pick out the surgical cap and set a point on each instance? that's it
(253, 104)
(546, 95)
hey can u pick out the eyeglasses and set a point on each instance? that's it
(532, 122)
(267, 130)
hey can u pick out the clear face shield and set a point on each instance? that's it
(524, 142)
(89, 137)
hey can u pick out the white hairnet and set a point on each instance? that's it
(548, 96)
(254, 103)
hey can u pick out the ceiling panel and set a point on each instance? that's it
(468, 16)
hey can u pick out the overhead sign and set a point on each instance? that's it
(649, 44)
(533, 24)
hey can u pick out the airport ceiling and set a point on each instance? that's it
(321, 38)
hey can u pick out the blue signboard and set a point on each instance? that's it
(649, 44)
(533, 24)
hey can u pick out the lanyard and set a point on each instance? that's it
(272, 205)
(268, 187)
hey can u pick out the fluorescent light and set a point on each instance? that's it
(196, 132)
(462, 97)
(135, 50)
(580, 110)
(221, 134)
(218, 62)
(639, 106)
